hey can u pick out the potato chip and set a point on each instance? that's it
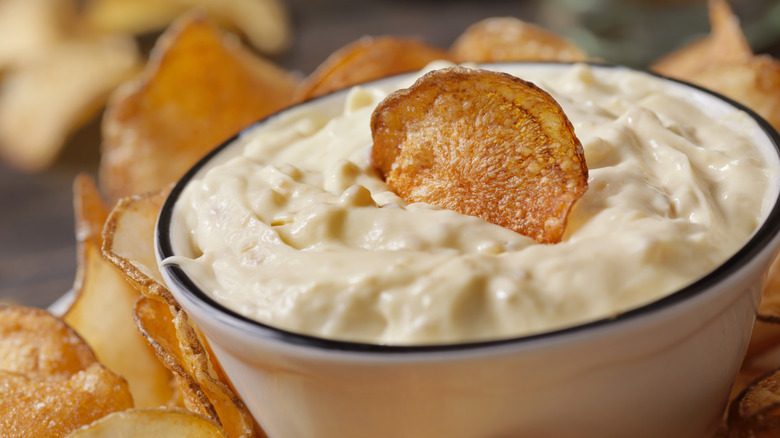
(34, 407)
(199, 88)
(31, 27)
(35, 343)
(44, 100)
(181, 348)
(755, 412)
(128, 243)
(507, 39)
(131, 16)
(485, 144)
(50, 381)
(725, 44)
(102, 310)
(367, 59)
(143, 423)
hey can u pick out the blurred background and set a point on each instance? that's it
(37, 239)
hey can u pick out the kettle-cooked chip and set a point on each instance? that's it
(199, 88)
(755, 412)
(367, 59)
(50, 381)
(506, 39)
(485, 144)
(143, 423)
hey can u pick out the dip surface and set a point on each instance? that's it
(294, 228)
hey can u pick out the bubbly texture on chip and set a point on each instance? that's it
(295, 228)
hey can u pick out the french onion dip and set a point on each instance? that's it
(295, 229)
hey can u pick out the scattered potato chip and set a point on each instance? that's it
(44, 100)
(725, 44)
(35, 343)
(181, 348)
(50, 381)
(31, 27)
(143, 423)
(128, 243)
(755, 412)
(199, 88)
(264, 23)
(368, 59)
(485, 144)
(507, 39)
(177, 342)
(724, 62)
(102, 310)
(769, 308)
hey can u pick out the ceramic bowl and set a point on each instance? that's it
(661, 370)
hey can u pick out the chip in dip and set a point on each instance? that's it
(295, 229)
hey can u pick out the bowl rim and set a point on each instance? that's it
(758, 242)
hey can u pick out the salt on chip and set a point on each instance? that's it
(102, 309)
(485, 144)
(367, 59)
(45, 99)
(50, 381)
(199, 88)
(508, 39)
(142, 423)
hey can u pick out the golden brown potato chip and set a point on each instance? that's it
(485, 144)
(129, 243)
(755, 412)
(35, 407)
(507, 39)
(102, 310)
(35, 343)
(769, 309)
(143, 423)
(45, 99)
(31, 27)
(181, 348)
(199, 88)
(725, 44)
(50, 381)
(367, 59)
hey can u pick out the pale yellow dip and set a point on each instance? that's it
(300, 233)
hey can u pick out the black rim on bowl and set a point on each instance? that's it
(164, 247)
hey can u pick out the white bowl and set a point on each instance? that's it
(661, 370)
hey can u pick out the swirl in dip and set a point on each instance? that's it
(296, 230)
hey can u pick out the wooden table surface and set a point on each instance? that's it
(37, 243)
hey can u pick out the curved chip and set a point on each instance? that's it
(50, 380)
(142, 423)
(755, 412)
(485, 144)
(367, 59)
(507, 39)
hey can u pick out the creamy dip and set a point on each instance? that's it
(294, 228)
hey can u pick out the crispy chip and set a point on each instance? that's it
(367, 59)
(769, 309)
(755, 412)
(507, 39)
(128, 243)
(102, 310)
(485, 144)
(199, 88)
(35, 343)
(131, 16)
(45, 99)
(177, 342)
(50, 381)
(143, 423)
(181, 348)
